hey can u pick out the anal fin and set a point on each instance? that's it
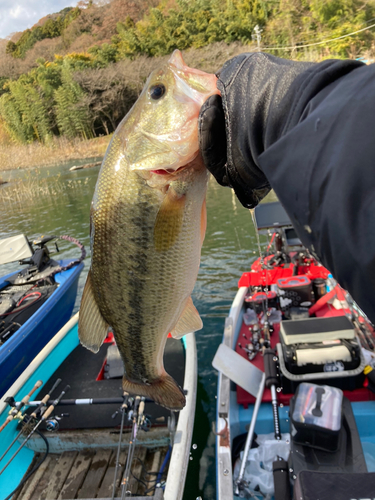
(189, 321)
(92, 328)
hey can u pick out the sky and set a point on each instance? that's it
(18, 15)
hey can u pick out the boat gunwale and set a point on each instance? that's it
(179, 460)
(16, 387)
(64, 279)
(224, 476)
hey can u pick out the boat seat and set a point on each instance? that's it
(338, 486)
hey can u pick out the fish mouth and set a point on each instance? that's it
(168, 171)
(160, 178)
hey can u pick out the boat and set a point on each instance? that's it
(35, 301)
(93, 440)
(295, 402)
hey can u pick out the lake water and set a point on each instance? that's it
(228, 250)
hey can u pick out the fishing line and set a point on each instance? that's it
(319, 43)
(73, 262)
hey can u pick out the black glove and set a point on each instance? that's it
(262, 98)
(236, 128)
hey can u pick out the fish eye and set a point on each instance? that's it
(157, 91)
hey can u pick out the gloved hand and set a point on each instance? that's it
(234, 129)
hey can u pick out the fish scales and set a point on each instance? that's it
(147, 228)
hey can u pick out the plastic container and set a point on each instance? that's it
(316, 415)
(319, 288)
(260, 300)
(296, 288)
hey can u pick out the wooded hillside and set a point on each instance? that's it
(76, 72)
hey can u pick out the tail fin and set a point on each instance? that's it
(164, 391)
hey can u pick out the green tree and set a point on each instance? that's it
(72, 114)
(24, 112)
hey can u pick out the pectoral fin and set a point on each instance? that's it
(189, 321)
(169, 220)
(92, 329)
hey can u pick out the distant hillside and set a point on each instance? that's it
(77, 72)
(70, 30)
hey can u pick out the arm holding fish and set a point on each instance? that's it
(304, 130)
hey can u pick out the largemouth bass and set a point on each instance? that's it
(148, 220)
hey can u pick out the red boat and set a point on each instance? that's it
(296, 398)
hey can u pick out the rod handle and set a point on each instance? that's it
(42, 403)
(55, 385)
(45, 399)
(25, 400)
(270, 368)
(141, 408)
(48, 412)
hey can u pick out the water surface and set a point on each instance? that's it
(229, 248)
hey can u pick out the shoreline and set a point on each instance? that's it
(28, 156)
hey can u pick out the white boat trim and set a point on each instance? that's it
(36, 362)
(179, 461)
(223, 439)
(235, 310)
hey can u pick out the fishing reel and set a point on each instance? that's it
(53, 423)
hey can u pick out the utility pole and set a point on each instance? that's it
(257, 36)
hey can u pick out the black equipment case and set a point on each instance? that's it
(316, 345)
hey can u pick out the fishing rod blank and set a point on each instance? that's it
(124, 408)
(93, 401)
(250, 435)
(46, 414)
(86, 401)
(33, 415)
(138, 408)
(24, 401)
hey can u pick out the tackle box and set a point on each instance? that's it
(320, 345)
(298, 289)
(314, 345)
(316, 415)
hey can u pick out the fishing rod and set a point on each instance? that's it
(93, 401)
(15, 412)
(138, 419)
(124, 408)
(240, 483)
(45, 415)
(33, 415)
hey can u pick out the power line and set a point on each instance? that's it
(318, 43)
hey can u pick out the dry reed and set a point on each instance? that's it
(34, 186)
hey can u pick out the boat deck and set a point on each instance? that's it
(90, 473)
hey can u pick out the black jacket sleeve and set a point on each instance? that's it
(322, 168)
